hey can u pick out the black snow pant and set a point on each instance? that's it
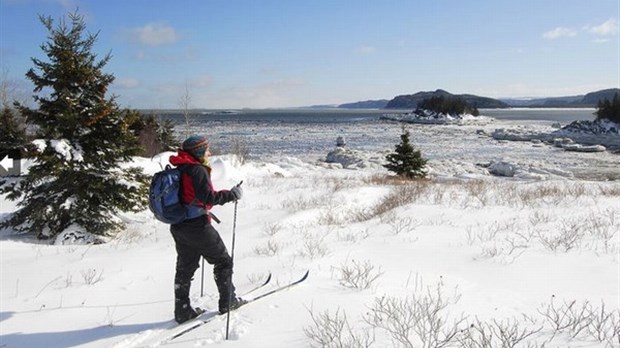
(195, 238)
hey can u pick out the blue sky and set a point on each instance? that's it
(286, 53)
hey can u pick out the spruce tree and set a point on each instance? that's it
(609, 109)
(82, 137)
(12, 132)
(406, 161)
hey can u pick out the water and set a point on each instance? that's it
(304, 132)
(335, 116)
(309, 135)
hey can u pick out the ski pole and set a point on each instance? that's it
(202, 277)
(232, 258)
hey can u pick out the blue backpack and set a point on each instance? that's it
(165, 199)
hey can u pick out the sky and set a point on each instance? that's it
(276, 53)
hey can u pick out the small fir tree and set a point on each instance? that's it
(609, 109)
(83, 137)
(406, 161)
(153, 135)
(12, 131)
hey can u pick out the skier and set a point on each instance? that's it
(196, 237)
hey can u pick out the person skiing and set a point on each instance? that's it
(196, 237)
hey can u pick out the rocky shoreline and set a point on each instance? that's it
(580, 136)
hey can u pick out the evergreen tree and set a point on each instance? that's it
(76, 180)
(609, 109)
(12, 132)
(406, 161)
(166, 136)
(154, 136)
(447, 105)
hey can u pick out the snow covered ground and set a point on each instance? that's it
(534, 256)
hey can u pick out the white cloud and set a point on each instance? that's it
(154, 34)
(608, 28)
(559, 32)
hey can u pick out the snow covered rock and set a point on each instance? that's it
(528, 171)
(354, 159)
(429, 117)
(346, 157)
(582, 148)
(519, 134)
(593, 127)
(502, 168)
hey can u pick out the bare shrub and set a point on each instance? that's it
(91, 276)
(359, 275)
(271, 248)
(402, 225)
(569, 317)
(582, 319)
(505, 333)
(538, 217)
(360, 214)
(353, 236)
(240, 149)
(479, 190)
(611, 191)
(602, 227)
(302, 203)
(605, 326)
(334, 331)
(271, 229)
(331, 215)
(419, 320)
(570, 233)
(313, 246)
(479, 234)
(401, 195)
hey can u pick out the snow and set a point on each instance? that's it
(496, 247)
(62, 148)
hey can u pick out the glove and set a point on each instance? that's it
(237, 191)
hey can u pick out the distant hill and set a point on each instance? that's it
(368, 104)
(411, 101)
(587, 100)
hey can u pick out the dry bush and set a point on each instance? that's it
(400, 224)
(609, 191)
(334, 331)
(538, 217)
(358, 275)
(313, 246)
(583, 320)
(506, 333)
(271, 248)
(401, 195)
(240, 149)
(271, 229)
(478, 190)
(353, 237)
(419, 320)
(91, 276)
(299, 203)
(570, 234)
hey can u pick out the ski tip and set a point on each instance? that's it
(267, 280)
(305, 275)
